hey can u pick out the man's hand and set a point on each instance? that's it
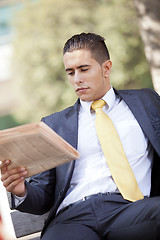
(13, 179)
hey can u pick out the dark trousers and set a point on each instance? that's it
(107, 217)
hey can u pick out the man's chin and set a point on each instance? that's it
(86, 99)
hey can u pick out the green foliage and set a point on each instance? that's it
(7, 121)
(42, 29)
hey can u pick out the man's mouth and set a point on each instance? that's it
(81, 89)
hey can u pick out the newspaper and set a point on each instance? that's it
(36, 147)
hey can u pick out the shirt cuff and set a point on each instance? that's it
(19, 200)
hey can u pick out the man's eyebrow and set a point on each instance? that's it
(81, 66)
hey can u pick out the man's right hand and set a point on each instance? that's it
(13, 179)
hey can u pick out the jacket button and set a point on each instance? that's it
(60, 192)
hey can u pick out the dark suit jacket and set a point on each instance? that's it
(47, 190)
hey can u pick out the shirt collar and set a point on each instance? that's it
(109, 98)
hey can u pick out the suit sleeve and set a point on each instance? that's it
(40, 193)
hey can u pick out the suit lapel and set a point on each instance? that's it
(71, 136)
(71, 125)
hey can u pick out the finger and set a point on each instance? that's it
(3, 165)
(12, 180)
(13, 174)
(13, 184)
(12, 171)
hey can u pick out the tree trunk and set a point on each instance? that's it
(149, 23)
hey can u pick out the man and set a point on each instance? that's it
(82, 196)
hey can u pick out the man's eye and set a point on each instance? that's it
(84, 69)
(70, 73)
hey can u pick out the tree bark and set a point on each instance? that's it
(149, 23)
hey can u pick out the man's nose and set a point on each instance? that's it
(77, 78)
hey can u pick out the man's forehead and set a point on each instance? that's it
(77, 57)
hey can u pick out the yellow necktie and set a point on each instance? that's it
(113, 151)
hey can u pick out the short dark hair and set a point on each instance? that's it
(89, 41)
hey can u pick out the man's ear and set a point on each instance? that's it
(107, 66)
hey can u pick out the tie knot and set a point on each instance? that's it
(98, 104)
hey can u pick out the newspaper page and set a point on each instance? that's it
(36, 147)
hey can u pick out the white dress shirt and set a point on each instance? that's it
(91, 174)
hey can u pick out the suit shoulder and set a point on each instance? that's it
(141, 93)
(57, 118)
(58, 114)
(138, 91)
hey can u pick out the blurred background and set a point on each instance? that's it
(33, 82)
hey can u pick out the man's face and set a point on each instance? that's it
(89, 79)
